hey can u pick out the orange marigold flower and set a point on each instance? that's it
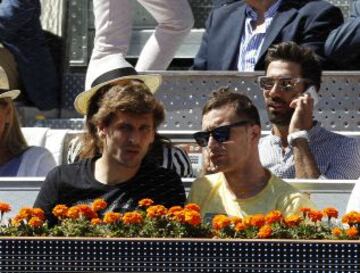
(25, 213)
(352, 232)
(351, 218)
(73, 212)
(239, 227)
(4, 207)
(192, 217)
(131, 218)
(220, 221)
(86, 211)
(315, 215)
(292, 220)
(16, 220)
(273, 216)
(235, 219)
(336, 231)
(247, 220)
(257, 220)
(156, 211)
(96, 221)
(112, 217)
(60, 211)
(38, 212)
(193, 206)
(176, 213)
(305, 211)
(331, 212)
(35, 222)
(179, 216)
(173, 210)
(98, 204)
(146, 202)
(265, 232)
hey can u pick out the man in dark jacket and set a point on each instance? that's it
(343, 44)
(238, 35)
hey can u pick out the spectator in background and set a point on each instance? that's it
(240, 186)
(238, 35)
(113, 28)
(16, 157)
(122, 117)
(298, 147)
(24, 54)
(354, 200)
(343, 43)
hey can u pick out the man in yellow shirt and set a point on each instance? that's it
(240, 185)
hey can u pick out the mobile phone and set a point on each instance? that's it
(313, 93)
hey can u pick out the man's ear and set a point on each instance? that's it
(255, 132)
(101, 131)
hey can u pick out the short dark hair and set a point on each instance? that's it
(304, 56)
(242, 104)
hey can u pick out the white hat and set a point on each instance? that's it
(124, 72)
(5, 91)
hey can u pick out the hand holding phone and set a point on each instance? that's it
(311, 91)
(302, 118)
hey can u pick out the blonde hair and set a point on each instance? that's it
(12, 137)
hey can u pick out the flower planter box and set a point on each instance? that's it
(176, 255)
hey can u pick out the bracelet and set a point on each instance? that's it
(297, 135)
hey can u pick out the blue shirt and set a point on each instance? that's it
(251, 41)
(337, 156)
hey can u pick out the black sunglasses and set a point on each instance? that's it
(285, 84)
(220, 134)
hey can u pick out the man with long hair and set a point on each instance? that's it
(122, 116)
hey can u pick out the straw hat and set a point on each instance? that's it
(152, 81)
(5, 91)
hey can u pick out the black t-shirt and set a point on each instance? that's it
(75, 184)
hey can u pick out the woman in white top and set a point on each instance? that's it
(16, 157)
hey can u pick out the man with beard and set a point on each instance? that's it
(297, 146)
(240, 185)
(122, 117)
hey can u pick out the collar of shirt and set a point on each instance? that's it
(271, 11)
(251, 42)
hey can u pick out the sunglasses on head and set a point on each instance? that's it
(285, 84)
(220, 134)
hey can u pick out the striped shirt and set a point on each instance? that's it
(174, 158)
(337, 156)
(252, 41)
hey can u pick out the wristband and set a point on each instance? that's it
(297, 135)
